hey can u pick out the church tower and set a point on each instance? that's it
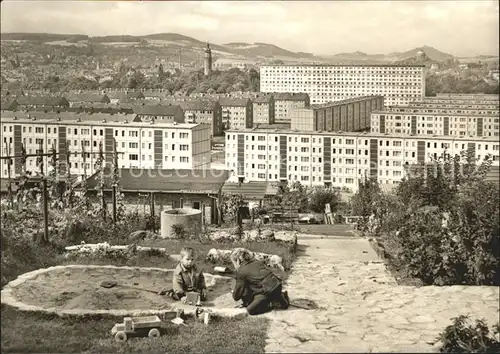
(207, 68)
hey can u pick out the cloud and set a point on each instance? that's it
(325, 27)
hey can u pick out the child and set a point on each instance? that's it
(187, 277)
(258, 287)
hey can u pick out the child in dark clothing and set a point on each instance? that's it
(257, 286)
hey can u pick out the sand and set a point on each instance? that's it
(74, 288)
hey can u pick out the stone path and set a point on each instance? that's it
(364, 309)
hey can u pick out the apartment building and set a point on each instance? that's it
(462, 105)
(203, 112)
(399, 84)
(346, 115)
(439, 109)
(285, 102)
(469, 96)
(237, 113)
(139, 144)
(420, 123)
(339, 159)
(263, 109)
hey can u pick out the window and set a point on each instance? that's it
(184, 147)
(349, 141)
(183, 135)
(261, 175)
(183, 159)
(133, 134)
(39, 130)
(304, 140)
(133, 145)
(133, 157)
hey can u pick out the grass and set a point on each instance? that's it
(40, 333)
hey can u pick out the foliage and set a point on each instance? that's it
(319, 196)
(179, 230)
(463, 337)
(290, 197)
(230, 206)
(456, 84)
(364, 201)
(441, 225)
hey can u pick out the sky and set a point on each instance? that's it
(460, 27)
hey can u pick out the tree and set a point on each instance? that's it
(231, 204)
(320, 196)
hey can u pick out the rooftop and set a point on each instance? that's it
(475, 115)
(346, 101)
(345, 65)
(366, 135)
(85, 119)
(256, 190)
(163, 180)
(290, 96)
(229, 101)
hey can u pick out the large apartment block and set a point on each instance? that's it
(399, 84)
(347, 115)
(420, 123)
(139, 144)
(339, 159)
(469, 96)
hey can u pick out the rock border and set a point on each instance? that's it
(8, 299)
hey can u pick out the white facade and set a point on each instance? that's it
(339, 159)
(327, 83)
(142, 145)
(420, 123)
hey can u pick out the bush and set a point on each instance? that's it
(441, 225)
(461, 337)
(320, 196)
(179, 230)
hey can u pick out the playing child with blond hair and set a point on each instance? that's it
(256, 285)
(187, 277)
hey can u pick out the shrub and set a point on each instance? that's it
(441, 225)
(320, 196)
(179, 230)
(462, 337)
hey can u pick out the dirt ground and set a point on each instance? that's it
(79, 288)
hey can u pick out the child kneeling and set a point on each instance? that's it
(256, 285)
(187, 277)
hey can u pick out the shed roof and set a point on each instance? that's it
(254, 190)
(165, 181)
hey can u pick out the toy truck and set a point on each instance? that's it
(137, 326)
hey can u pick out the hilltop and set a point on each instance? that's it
(259, 52)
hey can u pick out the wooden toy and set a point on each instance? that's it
(193, 298)
(137, 326)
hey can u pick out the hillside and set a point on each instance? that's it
(192, 48)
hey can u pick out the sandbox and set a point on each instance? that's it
(75, 289)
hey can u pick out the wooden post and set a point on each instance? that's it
(114, 203)
(45, 211)
(203, 221)
(152, 210)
